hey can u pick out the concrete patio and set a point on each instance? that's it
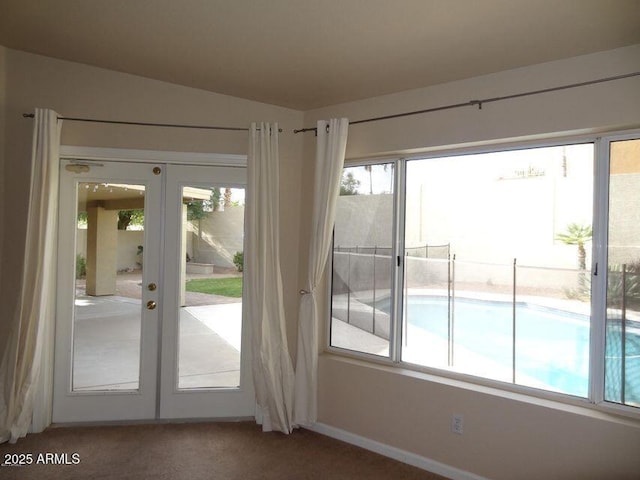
(107, 344)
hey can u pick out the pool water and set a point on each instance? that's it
(551, 346)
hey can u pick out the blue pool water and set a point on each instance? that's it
(551, 346)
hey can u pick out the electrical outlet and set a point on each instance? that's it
(457, 421)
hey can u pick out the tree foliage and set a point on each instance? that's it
(197, 209)
(130, 217)
(349, 185)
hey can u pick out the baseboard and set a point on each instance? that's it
(397, 454)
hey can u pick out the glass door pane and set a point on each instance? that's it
(210, 308)
(622, 359)
(107, 304)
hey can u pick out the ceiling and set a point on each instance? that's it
(305, 54)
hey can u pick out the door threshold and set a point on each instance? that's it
(152, 421)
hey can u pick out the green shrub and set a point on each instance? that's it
(238, 261)
(81, 266)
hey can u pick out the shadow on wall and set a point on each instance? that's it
(216, 238)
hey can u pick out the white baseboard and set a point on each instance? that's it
(395, 453)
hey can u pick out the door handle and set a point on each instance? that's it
(151, 305)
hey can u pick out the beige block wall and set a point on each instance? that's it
(505, 437)
(74, 89)
(626, 155)
(128, 241)
(217, 237)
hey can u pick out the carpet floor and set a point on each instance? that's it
(226, 450)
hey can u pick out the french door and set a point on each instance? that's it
(149, 311)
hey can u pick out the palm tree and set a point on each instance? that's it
(369, 168)
(577, 234)
(227, 197)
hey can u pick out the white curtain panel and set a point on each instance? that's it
(330, 150)
(271, 362)
(26, 370)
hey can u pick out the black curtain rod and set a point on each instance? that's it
(470, 103)
(479, 103)
(147, 124)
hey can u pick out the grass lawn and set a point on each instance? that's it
(227, 287)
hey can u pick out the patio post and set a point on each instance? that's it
(183, 256)
(102, 251)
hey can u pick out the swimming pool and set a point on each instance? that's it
(551, 345)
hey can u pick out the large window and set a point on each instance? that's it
(622, 365)
(483, 264)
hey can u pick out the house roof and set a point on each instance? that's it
(305, 54)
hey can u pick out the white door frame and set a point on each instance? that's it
(195, 403)
(71, 152)
(176, 404)
(70, 405)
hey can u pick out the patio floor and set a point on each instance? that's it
(107, 344)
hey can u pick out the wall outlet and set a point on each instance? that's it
(457, 421)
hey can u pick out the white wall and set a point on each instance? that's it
(506, 436)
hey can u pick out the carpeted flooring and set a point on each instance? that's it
(224, 451)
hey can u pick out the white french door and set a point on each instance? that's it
(149, 316)
(204, 371)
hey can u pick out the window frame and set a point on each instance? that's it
(596, 389)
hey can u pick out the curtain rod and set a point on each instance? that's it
(479, 103)
(146, 124)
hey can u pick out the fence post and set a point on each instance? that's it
(451, 293)
(405, 300)
(375, 249)
(514, 324)
(349, 286)
(623, 334)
